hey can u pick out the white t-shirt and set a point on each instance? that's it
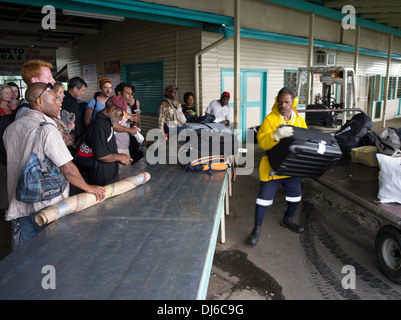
(221, 113)
(123, 138)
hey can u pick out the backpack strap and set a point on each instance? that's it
(36, 148)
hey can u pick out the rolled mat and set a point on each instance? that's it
(85, 200)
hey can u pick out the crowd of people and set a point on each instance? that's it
(106, 130)
(89, 144)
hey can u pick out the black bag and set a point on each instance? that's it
(352, 131)
(207, 118)
(368, 139)
(212, 139)
(307, 153)
(85, 157)
(135, 150)
(210, 164)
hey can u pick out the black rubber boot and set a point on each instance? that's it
(287, 222)
(255, 234)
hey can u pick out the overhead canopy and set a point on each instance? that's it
(379, 15)
(21, 21)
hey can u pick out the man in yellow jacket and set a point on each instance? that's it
(269, 134)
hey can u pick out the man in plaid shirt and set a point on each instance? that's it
(170, 111)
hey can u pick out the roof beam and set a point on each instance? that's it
(362, 3)
(380, 15)
(387, 20)
(36, 27)
(336, 15)
(137, 10)
(379, 9)
(8, 42)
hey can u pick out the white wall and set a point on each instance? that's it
(275, 57)
(136, 41)
(265, 16)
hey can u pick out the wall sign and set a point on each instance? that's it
(112, 67)
(12, 58)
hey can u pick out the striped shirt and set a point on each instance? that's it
(170, 113)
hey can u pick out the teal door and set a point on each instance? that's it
(375, 97)
(253, 89)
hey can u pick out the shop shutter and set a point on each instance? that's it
(148, 79)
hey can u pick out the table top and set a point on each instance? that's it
(154, 242)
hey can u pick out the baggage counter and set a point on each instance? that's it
(359, 184)
(154, 242)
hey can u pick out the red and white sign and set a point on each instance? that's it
(112, 67)
(12, 58)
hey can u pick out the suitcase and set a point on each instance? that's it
(351, 133)
(213, 139)
(308, 153)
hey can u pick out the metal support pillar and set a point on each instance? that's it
(237, 65)
(387, 82)
(356, 65)
(310, 56)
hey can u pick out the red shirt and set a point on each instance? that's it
(3, 112)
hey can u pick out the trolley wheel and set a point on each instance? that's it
(388, 252)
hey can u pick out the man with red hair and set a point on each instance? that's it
(34, 71)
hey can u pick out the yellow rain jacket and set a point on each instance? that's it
(266, 140)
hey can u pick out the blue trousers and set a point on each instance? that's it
(267, 192)
(23, 229)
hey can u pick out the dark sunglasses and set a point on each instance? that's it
(48, 87)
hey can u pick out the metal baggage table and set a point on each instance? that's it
(154, 242)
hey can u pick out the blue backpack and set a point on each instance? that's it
(39, 180)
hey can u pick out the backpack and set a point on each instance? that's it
(209, 164)
(207, 118)
(389, 142)
(352, 131)
(39, 180)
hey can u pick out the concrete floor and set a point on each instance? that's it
(355, 181)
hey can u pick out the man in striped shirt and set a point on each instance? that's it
(170, 111)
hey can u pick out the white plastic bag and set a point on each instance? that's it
(389, 178)
(139, 137)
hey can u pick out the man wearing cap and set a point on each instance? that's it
(100, 137)
(221, 109)
(98, 102)
(170, 111)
